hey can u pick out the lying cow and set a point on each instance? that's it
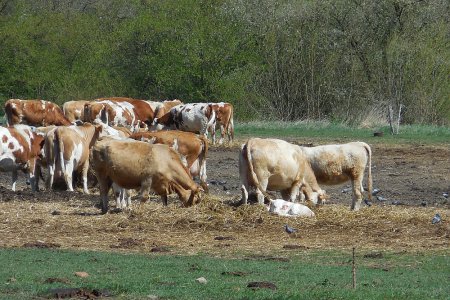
(192, 117)
(34, 113)
(289, 209)
(140, 165)
(71, 146)
(336, 164)
(20, 148)
(276, 165)
(193, 148)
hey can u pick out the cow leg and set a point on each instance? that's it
(32, 176)
(146, 186)
(50, 177)
(68, 175)
(85, 169)
(105, 185)
(14, 179)
(118, 192)
(222, 134)
(243, 175)
(259, 193)
(357, 195)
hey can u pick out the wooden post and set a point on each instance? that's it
(353, 270)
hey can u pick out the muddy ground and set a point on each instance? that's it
(412, 180)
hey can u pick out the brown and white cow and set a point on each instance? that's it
(71, 149)
(336, 164)
(191, 117)
(162, 107)
(224, 119)
(74, 110)
(20, 148)
(276, 165)
(111, 113)
(34, 113)
(150, 167)
(192, 147)
(139, 109)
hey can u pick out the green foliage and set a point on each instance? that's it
(309, 275)
(278, 60)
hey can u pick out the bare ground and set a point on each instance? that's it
(412, 180)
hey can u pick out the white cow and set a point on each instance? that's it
(336, 164)
(276, 165)
(288, 209)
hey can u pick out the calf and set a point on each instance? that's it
(336, 164)
(192, 147)
(140, 165)
(272, 164)
(288, 209)
(34, 113)
(20, 148)
(71, 148)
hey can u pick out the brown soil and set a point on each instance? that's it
(411, 178)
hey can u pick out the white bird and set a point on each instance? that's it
(289, 229)
(436, 219)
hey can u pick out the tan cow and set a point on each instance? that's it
(20, 148)
(74, 110)
(71, 148)
(276, 165)
(336, 164)
(224, 119)
(192, 147)
(34, 113)
(140, 165)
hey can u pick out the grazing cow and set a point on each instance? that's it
(71, 149)
(74, 110)
(276, 165)
(150, 167)
(192, 147)
(288, 209)
(192, 117)
(224, 118)
(34, 113)
(336, 164)
(20, 148)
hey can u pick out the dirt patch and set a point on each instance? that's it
(417, 176)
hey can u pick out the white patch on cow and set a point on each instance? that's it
(43, 104)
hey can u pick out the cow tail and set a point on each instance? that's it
(202, 160)
(369, 171)
(8, 113)
(212, 119)
(59, 152)
(231, 125)
(255, 180)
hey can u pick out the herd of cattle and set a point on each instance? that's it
(161, 147)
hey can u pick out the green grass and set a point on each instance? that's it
(316, 275)
(421, 134)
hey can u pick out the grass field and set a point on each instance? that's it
(30, 273)
(342, 133)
